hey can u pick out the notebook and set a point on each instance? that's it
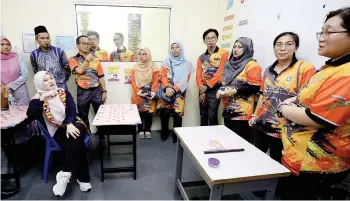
(212, 146)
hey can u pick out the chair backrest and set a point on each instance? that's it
(49, 140)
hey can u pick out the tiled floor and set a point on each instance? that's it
(155, 179)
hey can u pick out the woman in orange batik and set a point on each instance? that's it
(282, 80)
(175, 73)
(241, 81)
(316, 139)
(144, 80)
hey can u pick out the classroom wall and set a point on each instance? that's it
(189, 19)
(304, 17)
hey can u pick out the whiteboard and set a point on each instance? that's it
(268, 18)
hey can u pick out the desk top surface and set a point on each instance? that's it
(12, 117)
(117, 114)
(251, 164)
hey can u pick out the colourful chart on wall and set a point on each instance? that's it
(113, 74)
(134, 32)
(127, 76)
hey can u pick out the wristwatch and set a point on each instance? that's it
(104, 91)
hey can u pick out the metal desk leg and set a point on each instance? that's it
(109, 147)
(7, 147)
(271, 191)
(216, 192)
(101, 159)
(179, 160)
(134, 152)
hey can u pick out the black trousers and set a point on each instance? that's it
(86, 97)
(209, 110)
(75, 152)
(312, 186)
(146, 118)
(164, 118)
(264, 142)
(241, 127)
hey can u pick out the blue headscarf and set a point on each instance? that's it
(181, 67)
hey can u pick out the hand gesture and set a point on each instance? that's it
(48, 94)
(72, 131)
(89, 57)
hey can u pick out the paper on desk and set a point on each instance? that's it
(117, 114)
(217, 143)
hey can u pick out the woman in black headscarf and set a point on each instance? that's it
(241, 81)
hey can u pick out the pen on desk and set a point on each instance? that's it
(223, 151)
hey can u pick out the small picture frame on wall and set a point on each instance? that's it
(29, 43)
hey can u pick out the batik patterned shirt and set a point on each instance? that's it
(54, 60)
(326, 99)
(276, 88)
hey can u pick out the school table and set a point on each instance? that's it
(12, 121)
(117, 119)
(238, 172)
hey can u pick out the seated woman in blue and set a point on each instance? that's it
(58, 116)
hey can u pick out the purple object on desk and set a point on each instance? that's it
(213, 162)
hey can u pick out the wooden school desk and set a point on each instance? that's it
(118, 119)
(247, 171)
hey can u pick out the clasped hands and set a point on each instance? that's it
(224, 92)
(144, 95)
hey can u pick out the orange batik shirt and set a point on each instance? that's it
(277, 88)
(144, 104)
(243, 104)
(326, 98)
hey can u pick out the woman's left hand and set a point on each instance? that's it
(72, 131)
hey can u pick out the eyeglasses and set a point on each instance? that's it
(142, 54)
(84, 44)
(326, 34)
(287, 45)
(210, 38)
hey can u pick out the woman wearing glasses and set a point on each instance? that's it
(144, 80)
(282, 80)
(209, 77)
(316, 139)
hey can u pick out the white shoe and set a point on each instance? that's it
(62, 179)
(148, 135)
(85, 187)
(141, 135)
